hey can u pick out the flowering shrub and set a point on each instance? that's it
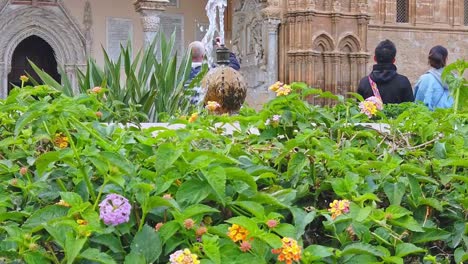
(315, 185)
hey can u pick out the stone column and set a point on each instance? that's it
(150, 11)
(272, 53)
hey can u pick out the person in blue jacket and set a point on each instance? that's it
(430, 89)
(198, 54)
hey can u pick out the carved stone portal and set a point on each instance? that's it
(50, 22)
(254, 41)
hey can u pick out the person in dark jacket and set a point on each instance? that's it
(394, 88)
(198, 53)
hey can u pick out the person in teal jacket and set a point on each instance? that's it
(430, 89)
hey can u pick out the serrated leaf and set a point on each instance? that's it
(73, 246)
(301, 220)
(166, 155)
(407, 222)
(430, 234)
(211, 248)
(394, 192)
(296, 164)
(216, 178)
(361, 248)
(97, 256)
(254, 208)
(135, 258)
(147, 243)
(44, 160)
(405, 249)
(44, 215)
(318, 252)
(193, 210)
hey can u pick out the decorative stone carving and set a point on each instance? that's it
(150, 10)
(53, 24)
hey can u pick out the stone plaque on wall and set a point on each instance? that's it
(119, 32)
(171, 23)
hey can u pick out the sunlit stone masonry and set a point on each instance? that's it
(327, 44)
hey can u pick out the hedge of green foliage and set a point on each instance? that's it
(312, 186)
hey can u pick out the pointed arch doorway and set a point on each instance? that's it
(38, 51)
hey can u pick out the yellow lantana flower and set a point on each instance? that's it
(237, 233)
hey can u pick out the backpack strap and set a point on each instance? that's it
(375, 90)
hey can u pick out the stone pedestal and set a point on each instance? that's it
(150, 11)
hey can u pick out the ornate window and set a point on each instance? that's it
(466, 12)
(402, 11)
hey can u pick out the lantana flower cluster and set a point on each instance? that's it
(183, 257)
(370, 106)
(289, 252)
(61, 141)
(338, 207)
(280, 88)
(114, 209)
(238, 233)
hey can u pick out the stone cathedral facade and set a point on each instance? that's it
(326, 43)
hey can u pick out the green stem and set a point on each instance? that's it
(61, 185)
(80, 163)
(103, 143)
(456, 100)
(100, 193)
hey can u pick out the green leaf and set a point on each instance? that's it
(97, 256)
(237, 174)
(168, 230)
(193, 191)
(44, 215)
(166, 155)
(110, 241)
(211, 248)
(416, 192)
(114, 159)
(430, 234)
(432, 202)
(216, 178)
(296, 164)
(286, 230)
(246, 223)
(317, 252)
(405, 249)
(73, 199)
(359, 214)
(193, 210)
(135, 258)
(394, 192)
(407, 222)
(412, 169)
(73, 246)
(147, 243)
(58, 231)
(397, 211)
(362, 248)
(34, 257)
(460, 255)
(272, 240)
(44, 160)
(254, 208)
(301, 220)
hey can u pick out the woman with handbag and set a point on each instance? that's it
(430, 89)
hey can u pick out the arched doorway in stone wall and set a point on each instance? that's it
(38, 51)
(53, 24)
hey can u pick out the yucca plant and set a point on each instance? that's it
(148, 87)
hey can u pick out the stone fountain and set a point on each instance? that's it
(223, 84)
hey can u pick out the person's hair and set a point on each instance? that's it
(438, 57)
(385, 52)
(198, 49)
